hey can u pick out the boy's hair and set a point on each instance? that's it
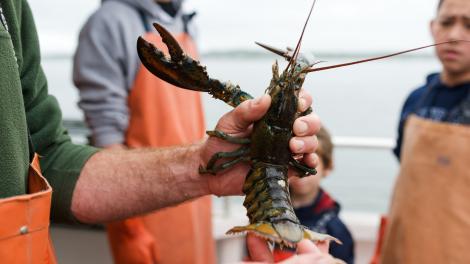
(440, 4)
(325, 148)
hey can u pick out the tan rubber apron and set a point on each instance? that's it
(24, 223)
(164, 115)
(429, 220)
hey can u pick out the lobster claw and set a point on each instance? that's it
(183, 71)
(178, 69)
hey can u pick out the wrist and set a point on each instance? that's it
(195, 155)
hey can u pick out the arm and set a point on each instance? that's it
(136, 181)
(401, 123)
(407, 109)
(345, 251)
(116, 184)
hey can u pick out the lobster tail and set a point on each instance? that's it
(269, 208)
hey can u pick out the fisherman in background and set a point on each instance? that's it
(429, 218)
(126, 106)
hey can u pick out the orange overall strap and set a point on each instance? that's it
(429, 219)
(380, 239)
(24, 223)
(164, 115)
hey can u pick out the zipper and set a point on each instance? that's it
(2, 18)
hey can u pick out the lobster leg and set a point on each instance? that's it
(224, 166)
(239, 154)
(301, 168)
(183, 71)
(225, 136)
(306, 112)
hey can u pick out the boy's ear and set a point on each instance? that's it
(431, 28)
(327, 171)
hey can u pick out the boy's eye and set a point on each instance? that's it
(446, 23)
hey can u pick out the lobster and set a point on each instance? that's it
(267, 199)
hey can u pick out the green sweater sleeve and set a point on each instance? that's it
(61, 160)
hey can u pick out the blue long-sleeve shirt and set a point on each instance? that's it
(322, 216)
(435, 101)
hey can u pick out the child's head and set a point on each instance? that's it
(453, 23)
(301, 186)
(325, 150)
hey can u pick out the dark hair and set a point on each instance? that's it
(325, 148)
(440, 4)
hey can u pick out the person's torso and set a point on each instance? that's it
(438, 102)
(13, 131)
(431, 192)
(317, 215)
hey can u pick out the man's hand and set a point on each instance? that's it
(307, 252)
(238, 123)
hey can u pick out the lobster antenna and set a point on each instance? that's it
(377, 58)
(297, 48)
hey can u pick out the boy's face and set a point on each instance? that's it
(452, 23)
(307, 185)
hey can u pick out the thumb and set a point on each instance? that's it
(323, 246)
(240, 118)
(307, 246)
(258, 249)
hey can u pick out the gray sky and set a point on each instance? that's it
(335, 26)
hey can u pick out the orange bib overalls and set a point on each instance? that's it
(164, 115)
(429, 220)
(24, 223)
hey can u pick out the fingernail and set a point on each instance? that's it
(302, 128)
(257, 101)
(298, 144)
(302, 103)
